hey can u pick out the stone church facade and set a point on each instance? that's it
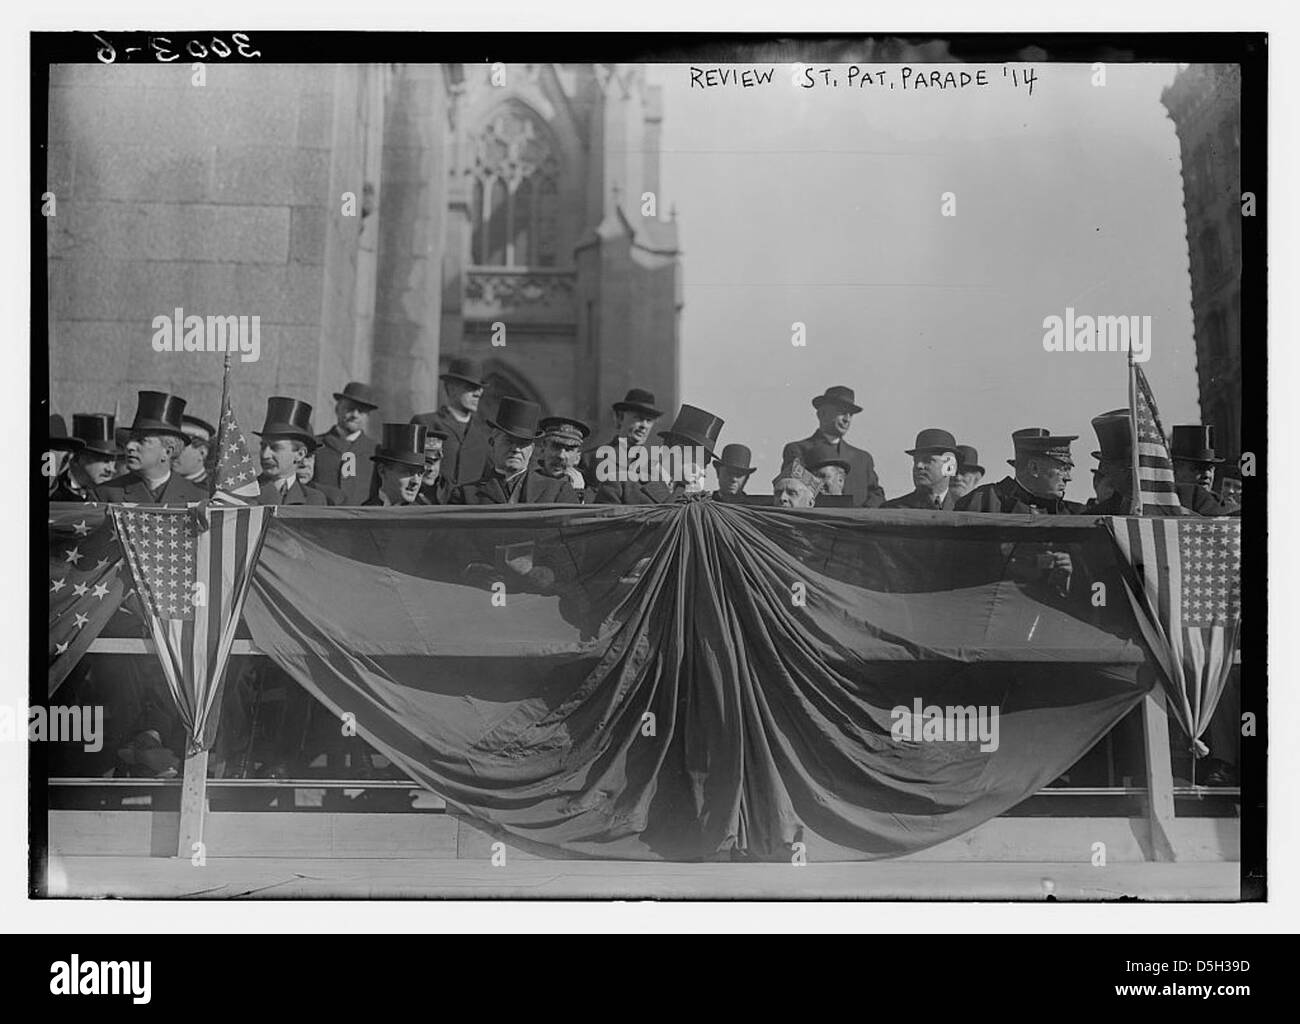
(379, 219)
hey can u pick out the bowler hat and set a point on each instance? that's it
(193, 421)
(566, 431)
(1193, 443)
(517, 418)
(1114, 431)
(640, 401)
(159, 413)
(968, 459)
(468, 370)
(59, 440)
(820, 454)
(288, 417)
(932, 439)
(695, 425)
(96, 431)
(1041, 441)
(839, 395)
(359, 394)
(737, 457)
(402, 444)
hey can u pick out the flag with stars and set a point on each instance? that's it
(86, 585)
(235, 476)
(192, 573)
(1154, 493)
(1185, 587)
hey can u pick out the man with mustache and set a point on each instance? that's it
(635, 417)
(286, 439)
(508, 479)
(343, 455)
(835, 411)
(94, 463)
(934, 463)
(560, 449)
(1192, 450)
(399, 465)
(156, 438)
(465, 445)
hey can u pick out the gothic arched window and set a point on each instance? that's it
(515, 192)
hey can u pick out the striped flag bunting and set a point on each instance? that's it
(236, 473)
(1154, 493)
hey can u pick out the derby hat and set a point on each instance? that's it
(358, 394)
(517, 418)
(839, 395)
(1041, 441)
(1114, 431)
(695, 426)
(640, 401)
(569, 432)
(968, 459)
(932, 440)
(1193, 443)
(288, 417)
(737, 457)
(96, 431)
(157, 412)
(59, 441)
(820, 454)
(402, 444)
(468, 371)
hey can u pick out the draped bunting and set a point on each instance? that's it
(692, 680)
(86, 585)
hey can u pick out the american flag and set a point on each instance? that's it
(1187, 597)
(85, 583)
(1154, 493)
(236, 474)
(192, 581)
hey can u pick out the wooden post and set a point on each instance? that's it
(194, 803)
(1160, 775)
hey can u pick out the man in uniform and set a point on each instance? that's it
(508, 479)
(157, 435)
(465, 447)
(286, 439)
(1192, 450)
(835, 411)
(561, 449)
(635, 417)
(95, 463)
(192, 462)
(934, 464)
(969, 472)
(733, 469)
(343, 457)
(436, 488)
(399, 465)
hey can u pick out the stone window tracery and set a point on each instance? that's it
(515, 192)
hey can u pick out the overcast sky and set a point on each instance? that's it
(823, 206)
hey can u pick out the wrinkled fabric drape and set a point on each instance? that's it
(688, 680)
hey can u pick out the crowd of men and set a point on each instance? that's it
(456, 456)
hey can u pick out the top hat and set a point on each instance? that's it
(640, 401)
(564, 430)
(59, 440)
(288, 417)
(517, 418)
(193, 421)
(794, 470)
(838, 394)
(820, 454)
(159, 413)
(359, 394)
(402, 444)
(932, 439)
(1041, 441)
(1114, 431)
(696, 426)
(97, 432)
(737, 457)
(1193, 443)
(467, 370)
(968, 459)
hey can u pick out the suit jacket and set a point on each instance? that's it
(1008, 496)
(1196, 498)
(918, 500)
(436, 493)
(465, 451)
(329, 465)
(626, 492)
(333, 495)
(297, 495)
(131, 487)
(862, 481)
(66, 490)
(535, 489)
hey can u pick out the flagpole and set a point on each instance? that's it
(1135, 505)
(221, 424)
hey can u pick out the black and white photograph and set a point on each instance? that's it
(775, 467)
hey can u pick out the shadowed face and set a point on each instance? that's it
(1187, 472)
(1044, 476)
(400, 483)
(351, 417)
(432, 459)
(95, 467)
(306, 468)
(964, 482)
(463, 396)
(730, 479)
(635, 426)
(191, 458)
(1111, 478)
(834, 418)
(832, 478)
(510, 455)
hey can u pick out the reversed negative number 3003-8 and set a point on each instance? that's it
(166, 50)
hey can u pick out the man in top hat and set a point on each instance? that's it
(934, 464)
(399, 462)
(343, 452)
(286, 439)
(1192, 450)
(94, 463)
(1112, 480)
(795, 486)
(157, 436)
(969, 472)
(192, 462)
(436, 488)
(560, 450)
(58, 452)
(508, 479)
(835, 411)
(692, 441)
(634, 418)
(667, 471)
(733, 469)
(306, 474)
(465, 447)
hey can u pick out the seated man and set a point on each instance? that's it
(969, 472)
(733, 469)
(508, 480)
(688, 449)
(561, 450)
(306, 476)
(795, 487)
(1112, 480)
(436, 489)
(192, 462)
(1192, 450)
(94, 464)
(934, 464)
(156, 438)
(399, 465)
(286, 439)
